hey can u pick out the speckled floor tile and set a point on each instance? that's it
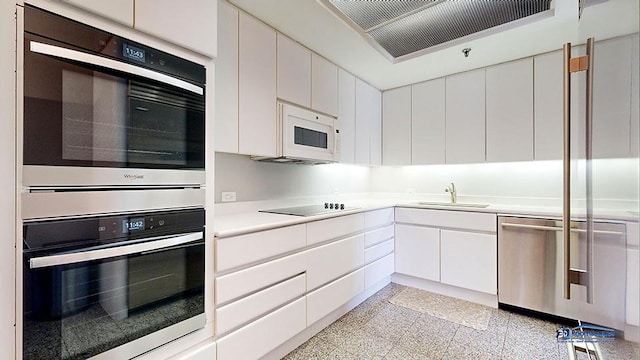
(388, 328)
(523, 350)
(472, 337)
(314, 348)
(459, 311)
(457, 351)
(429, 336)
(544, 343)
(620, 349)
(337, 332)
(401, 353)
(366, 344)
(341, 354)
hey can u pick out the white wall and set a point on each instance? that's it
(254, 181)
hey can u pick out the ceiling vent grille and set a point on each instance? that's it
(404, 29)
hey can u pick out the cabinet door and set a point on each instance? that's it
(226, 108)
(328, 262)
(256, 87)
(635, 97)
(417, 251)
(375, 140)
(465, 117)
(294, 72)
(118, 10)
(548, 106)
(396, 126)
(347, 116)
(428, 122)
(509, 103)
(324, 85)
(469, 260)
(364, 111)
(190, 24)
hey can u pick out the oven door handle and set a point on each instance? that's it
(74, 55)
(76, 257)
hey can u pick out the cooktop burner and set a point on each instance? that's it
(310, 210)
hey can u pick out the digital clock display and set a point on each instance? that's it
(132, 225)
(133, 53)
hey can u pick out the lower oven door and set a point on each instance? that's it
(113, 302)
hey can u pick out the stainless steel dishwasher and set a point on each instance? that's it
(530, 269)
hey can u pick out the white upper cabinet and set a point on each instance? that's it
(548, 106)
(118, 10)
(635, 97)
(465, 117)
(347, 116)
(428, 122)
(396, 127)
(190, 24)
(324, 85)
(294, 72)
(509, 107)
(226, 107)
(256, 87)
(611, 98)
(368, 124)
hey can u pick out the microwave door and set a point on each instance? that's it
(303, 138)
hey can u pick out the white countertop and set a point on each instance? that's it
(240, 218)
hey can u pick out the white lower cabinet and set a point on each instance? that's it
(378, 270)
(469, 260)
(330, 261)
(417, 251)
(378, 251)
(261, 336)
(378, 235)
(323, 301)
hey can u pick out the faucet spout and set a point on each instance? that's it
(452, 191)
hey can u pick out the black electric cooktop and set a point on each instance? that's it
(310, 210)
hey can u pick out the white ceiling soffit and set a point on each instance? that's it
(403, 29)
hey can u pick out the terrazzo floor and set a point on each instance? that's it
(377, 329)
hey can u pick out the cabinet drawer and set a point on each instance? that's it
(247, 308)
(329, 297)
(265, 334)
(245, 249)
(417, 251)
(377, 218)
(377, 236)
(469, 260)
(237, 284)
(376, 252)
(378, 270)
(447, 219)
(328, 262)
(324, 230)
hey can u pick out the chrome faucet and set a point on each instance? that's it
(452, 191)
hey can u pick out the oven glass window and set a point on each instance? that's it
(307, 137)
(80, 310)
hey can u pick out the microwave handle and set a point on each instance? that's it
(76, 257)
(336, 140)
(74, 55)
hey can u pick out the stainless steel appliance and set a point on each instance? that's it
(304, 137)
(310, 210)
(531, 268)
(101, 110)
(111, 287)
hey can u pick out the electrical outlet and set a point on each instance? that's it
(228, 196)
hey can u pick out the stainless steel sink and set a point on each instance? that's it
(457, 204)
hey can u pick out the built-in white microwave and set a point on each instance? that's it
(305, 137)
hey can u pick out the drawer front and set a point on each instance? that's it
(329, 262)
(378, 218)
(265, 334)
(323, 230)
(378, 270)
(244, 249)
(323, 301)
(448, 219)
(378, 251)
(417, 251)
(469, 260)
(377, 236)
(237, 284)
(252, 306)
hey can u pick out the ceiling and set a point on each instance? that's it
(311, 24)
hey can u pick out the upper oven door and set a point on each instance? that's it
(308, 135)
(85, 113)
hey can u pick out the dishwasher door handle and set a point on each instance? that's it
(554, 228)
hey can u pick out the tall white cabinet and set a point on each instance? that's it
(396, 126)
(226, 86)
(293, 72)
(428, 122)
(368, 124)
(324, 85)
(465, 117)
(347, 116)
(117, 10)
(256, 87)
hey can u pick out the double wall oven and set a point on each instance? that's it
(113, 219)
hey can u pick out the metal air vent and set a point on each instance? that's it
(403, 29)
